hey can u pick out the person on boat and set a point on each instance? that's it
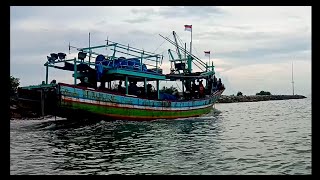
(141, 91)
(219, 84)
(209, 85)
(214, 84)
(53, 82)
(187, 93)
(196, 92)
(85, 82)
(120, 88)
(149, 90)
(201, 90)
(81, 82)
(193, 89)
(133, 88)
(222, 87)
(176, 94)
(102, 85)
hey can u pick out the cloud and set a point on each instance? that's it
(176, 12)
(286, 46)
(198, 12)
(138, 20)
(142, 15)
(146, 11)
(248, 43)
(275, 78)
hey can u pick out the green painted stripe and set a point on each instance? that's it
(105, 110)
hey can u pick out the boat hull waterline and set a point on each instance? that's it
(77, 101)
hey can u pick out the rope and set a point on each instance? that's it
(197, 56)
(178, 86)
(161, 44)
(182, 44)
(196, 51)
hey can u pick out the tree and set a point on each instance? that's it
(263, 93)
(239, 93)
(14, 84)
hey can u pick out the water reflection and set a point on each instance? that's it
(111, 147)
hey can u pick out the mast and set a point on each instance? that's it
(209, 57)
(190, 58)
(185, 54)
(292, 80)
(175, 39)
(191, 41)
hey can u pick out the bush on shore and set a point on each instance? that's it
(263, 93)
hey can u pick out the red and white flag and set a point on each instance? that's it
(188, 27)
(207, 53)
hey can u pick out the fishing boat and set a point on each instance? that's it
(95, 97)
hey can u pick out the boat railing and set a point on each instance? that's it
(131, 51)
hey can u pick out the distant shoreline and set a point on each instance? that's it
(256, 98)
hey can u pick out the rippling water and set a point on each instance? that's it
(270, 137)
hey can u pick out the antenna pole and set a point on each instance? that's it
(292, 80)
(89, 49)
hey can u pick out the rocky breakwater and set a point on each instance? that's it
(255, 98)
(19, 112)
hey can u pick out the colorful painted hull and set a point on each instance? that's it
(78, 101)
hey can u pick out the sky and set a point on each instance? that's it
(252, 47)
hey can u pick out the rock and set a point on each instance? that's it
(255, 98)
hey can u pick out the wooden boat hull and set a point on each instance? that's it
(80, 102)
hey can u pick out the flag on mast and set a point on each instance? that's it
(188, 27)
(207, 53)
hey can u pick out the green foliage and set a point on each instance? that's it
(14, 84)
(239, 93)
(263, 93)
(169, 90)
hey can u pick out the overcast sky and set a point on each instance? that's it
(252, 47)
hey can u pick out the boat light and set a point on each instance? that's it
(54, 56)
(61, 56)
(82, 55)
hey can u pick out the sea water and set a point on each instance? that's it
(269, 137)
